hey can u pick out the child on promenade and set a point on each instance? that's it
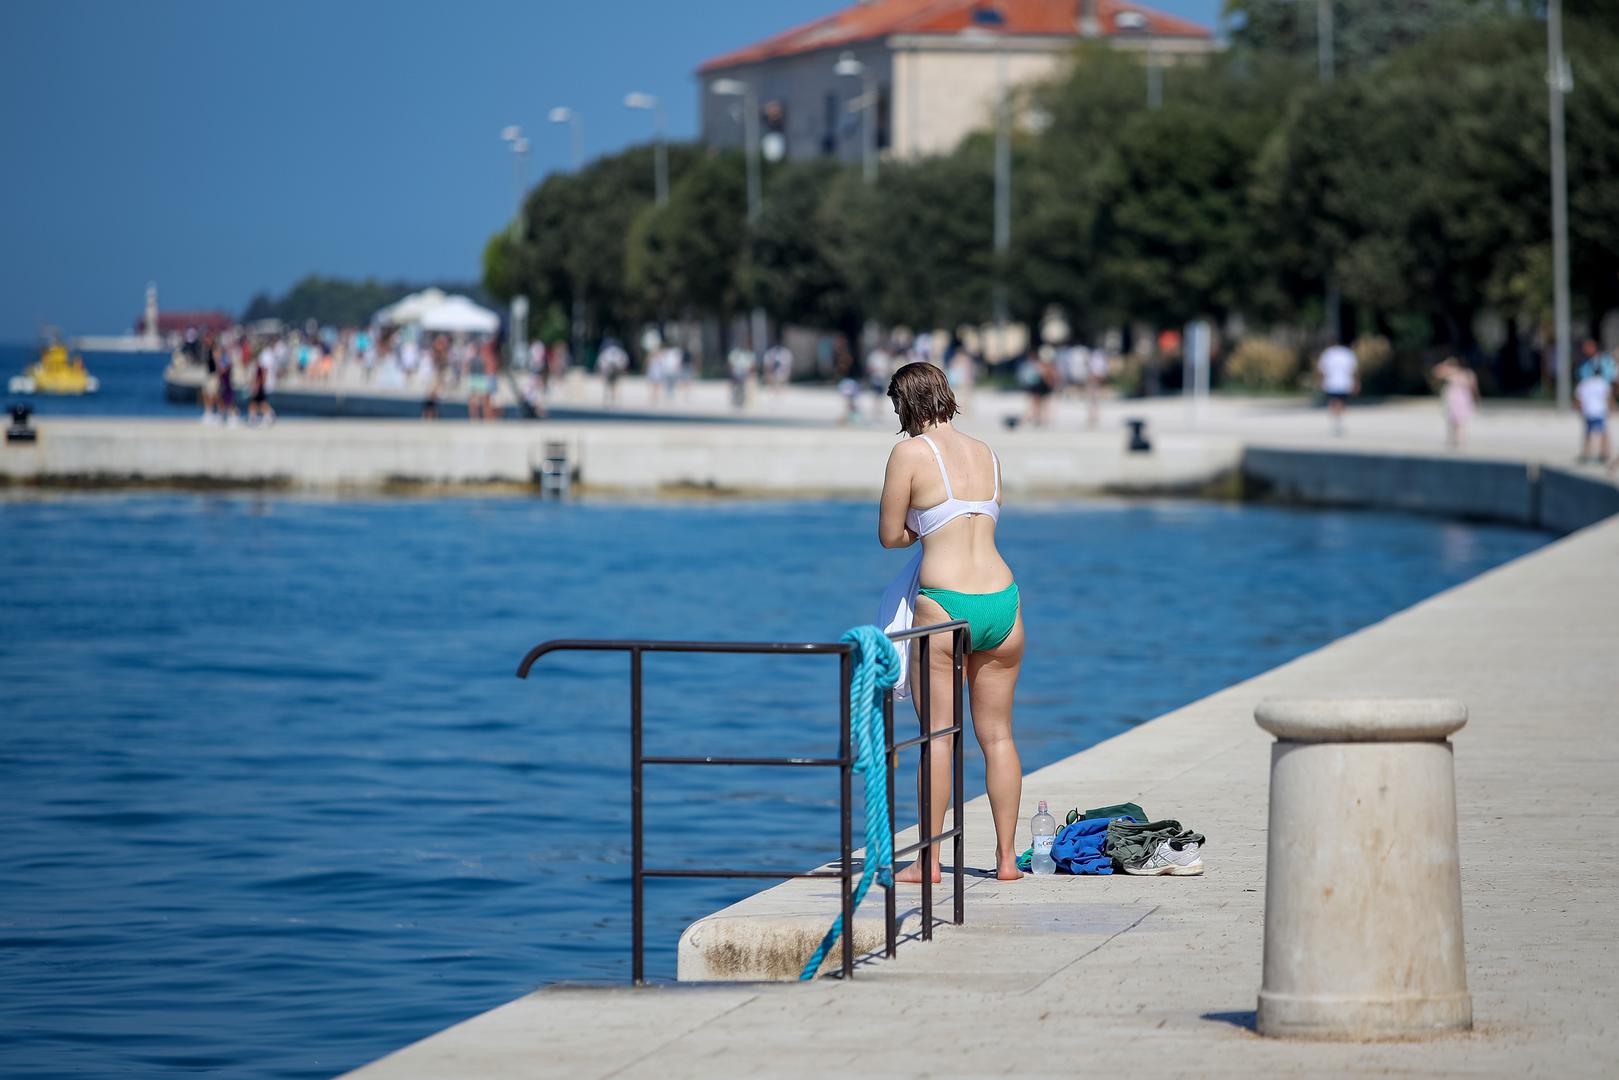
(1458, 395)
(1592, 397)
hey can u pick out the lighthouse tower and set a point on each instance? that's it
(149, 327)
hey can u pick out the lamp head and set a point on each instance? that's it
(560, 115)
(638, 100)
(848, 65)
(728, 87)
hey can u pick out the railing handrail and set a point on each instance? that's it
(959, 631)
(765, 647)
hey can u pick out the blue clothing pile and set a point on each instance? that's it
(1078, 847)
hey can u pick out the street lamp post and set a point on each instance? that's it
(986, 19)
(660, 159)
(1559, 81)
(516, 344)
(512, 135)
(848, 66)
(1323, 39)
(564, 115)
(1155, 76)
(750, 128)
(576, 328)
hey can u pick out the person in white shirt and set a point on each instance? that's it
(1096, 372)
(1338, 371)
(741, 362)
(1592, 396)
(612, 362)
(778, 365)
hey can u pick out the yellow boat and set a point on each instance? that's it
(55, 373)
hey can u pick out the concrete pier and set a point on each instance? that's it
(1156, 976)
(626, 458)
(1517, 469)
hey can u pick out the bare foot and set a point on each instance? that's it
(912, 874)
(1006, 868)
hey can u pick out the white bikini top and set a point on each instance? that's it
(922, 522)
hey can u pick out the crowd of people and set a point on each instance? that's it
(241, 366)
(248, 363)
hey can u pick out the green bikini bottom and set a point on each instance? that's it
(991, 615)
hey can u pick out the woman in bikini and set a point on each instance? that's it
(944, 489)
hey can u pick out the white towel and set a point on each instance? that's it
(897, 613)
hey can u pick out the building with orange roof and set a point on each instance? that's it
(935, 66)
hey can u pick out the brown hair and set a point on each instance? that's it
(922, 396)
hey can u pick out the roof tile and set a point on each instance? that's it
(880, 18)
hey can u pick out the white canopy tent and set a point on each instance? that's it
(458, 315)
(410, 309)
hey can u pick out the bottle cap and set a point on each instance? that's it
(1042, 806)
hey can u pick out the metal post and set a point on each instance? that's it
(1323, 29)
(1155, 76)
(757, 324)
(925, 764)
(750, 130)
(957, 648)
(890, 935)
(1003, 194)
(637, 884)
(1559, 82)
(868, 129)
(846, 801)
(1325, 65)
(661, 159)
(517, 178)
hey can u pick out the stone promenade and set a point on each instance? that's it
(1158, 976)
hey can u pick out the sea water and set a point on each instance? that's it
(272, 802)
(131, 385)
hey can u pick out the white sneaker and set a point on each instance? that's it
(1186, 862)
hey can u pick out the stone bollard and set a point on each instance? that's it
(1363, 895)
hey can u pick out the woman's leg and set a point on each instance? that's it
(939, 664)
(992, 674)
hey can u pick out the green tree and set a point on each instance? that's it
(793, 270)
(332, 301)
(1059, 185)
(1175, 226)
(1363, 32)
(918, 243)
(686, 258)
(1423, 186)
(571, 243)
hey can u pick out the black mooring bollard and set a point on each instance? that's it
(1139, 443)
(19, 431)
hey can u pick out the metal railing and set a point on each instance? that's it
(844, 763)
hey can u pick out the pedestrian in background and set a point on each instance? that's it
(1095, 379)
(740, 363)
(438, 366)
(611, 362)
(1338, 372)
(1594, 360)
(1593, 397)
(1458, 397)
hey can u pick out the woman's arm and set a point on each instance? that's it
(891, 529)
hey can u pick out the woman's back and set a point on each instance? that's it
(959, 554)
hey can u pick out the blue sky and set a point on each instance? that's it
(221, 147)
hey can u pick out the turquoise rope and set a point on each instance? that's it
(876, 669)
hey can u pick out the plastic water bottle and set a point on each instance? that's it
(1044, 828)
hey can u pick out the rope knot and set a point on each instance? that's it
(876, 669)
